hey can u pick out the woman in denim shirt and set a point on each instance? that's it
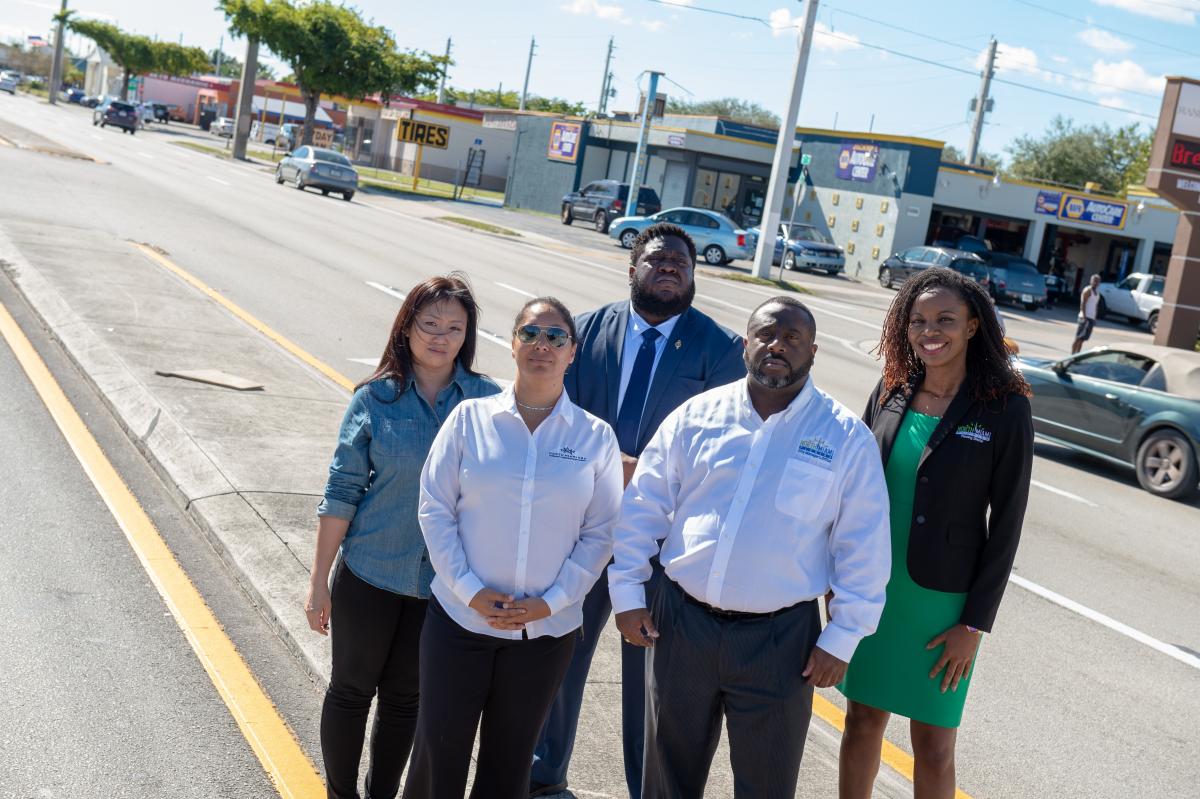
(369, 514)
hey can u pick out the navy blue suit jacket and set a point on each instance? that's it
(699, 355)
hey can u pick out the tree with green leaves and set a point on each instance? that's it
(732, 108)
(952, 153)
(140, 55)
(331, 50)
(1075, 155)
(491, 99)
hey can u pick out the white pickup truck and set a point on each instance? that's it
(1138, 298)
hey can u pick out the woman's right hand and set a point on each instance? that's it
(492, 606)
(318, 607)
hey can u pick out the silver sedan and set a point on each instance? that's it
(321, 169)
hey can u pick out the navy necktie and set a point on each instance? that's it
(629, 418)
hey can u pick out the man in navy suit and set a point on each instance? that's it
(637, 361)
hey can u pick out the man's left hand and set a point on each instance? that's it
(823, 669)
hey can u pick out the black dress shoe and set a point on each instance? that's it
(544, 789)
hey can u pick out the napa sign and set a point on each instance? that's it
(1082, 208)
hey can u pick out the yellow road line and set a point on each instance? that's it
(273, 743)
(893, 756)
(900, 761)
(246, 317)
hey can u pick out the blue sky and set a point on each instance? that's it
(1114, 53)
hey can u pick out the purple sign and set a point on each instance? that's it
(857, 162)
(564, 141)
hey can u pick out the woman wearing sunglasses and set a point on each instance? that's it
(518, 500)
(369, 514)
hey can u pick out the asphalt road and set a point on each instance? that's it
(1063, 704)
(103, 695)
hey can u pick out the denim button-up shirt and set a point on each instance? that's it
(374, 478)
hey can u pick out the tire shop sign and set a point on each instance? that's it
(426, 133)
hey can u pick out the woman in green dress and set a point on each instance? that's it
(952, 418)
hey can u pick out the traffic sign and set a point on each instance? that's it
(805, 159)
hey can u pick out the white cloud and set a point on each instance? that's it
(824, 39)
(1104, 41)
(1113, 102)
(1011, 58)
(1125, 75)
(594, 8)
(654, 26)
(1182, 11)
(1060, 59)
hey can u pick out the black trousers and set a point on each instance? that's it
(466, 676)
(375, 638)
(704, 667)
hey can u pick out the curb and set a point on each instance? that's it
(271, 576)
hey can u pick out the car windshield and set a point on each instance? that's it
(329, 156)
(1130, 283)
(808, 233)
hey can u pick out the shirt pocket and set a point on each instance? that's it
(803, 489)
(402, 438)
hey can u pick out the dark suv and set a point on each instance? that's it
(901, 266)
(602, 201)
(121, 115)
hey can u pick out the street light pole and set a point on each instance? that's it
(777, 188)
(639, 160)
(528, 67)
(56, 68)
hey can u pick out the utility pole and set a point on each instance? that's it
(56, 68)
(441, 96)
(981, 103)
(220, 54)
(777, 188)
(245, 106)
(639, 160)
(602, 106)
(528, 67)
(500, 95)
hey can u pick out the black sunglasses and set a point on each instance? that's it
(555, 336)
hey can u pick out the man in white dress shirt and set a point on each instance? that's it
(766, 494)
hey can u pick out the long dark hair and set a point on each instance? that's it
(990, 372)
(396, 362)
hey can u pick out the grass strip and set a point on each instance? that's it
(475, 224)
(738, 277)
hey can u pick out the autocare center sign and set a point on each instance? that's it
(564, 141)
(857, 161)
(1082, 208)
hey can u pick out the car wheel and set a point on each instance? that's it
(627, 238)
(1152, 322)
(103, 124)
(567, 218)
(1031, 306)
(832, 272)
(885, 277)
(601, 222)
(1166, 465)
(714, 255)
(324, 192)
(347, 196)
(279, 175)
(789, 260)
(298, 182)
(1101, 309)
(132, 131)
(95, 122)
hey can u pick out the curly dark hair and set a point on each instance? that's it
(660, 230)
(990, 371)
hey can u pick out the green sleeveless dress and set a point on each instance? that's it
(890, 669)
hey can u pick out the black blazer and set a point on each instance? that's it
(699, 355)
(980, 456)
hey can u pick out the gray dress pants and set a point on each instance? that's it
(747, 670)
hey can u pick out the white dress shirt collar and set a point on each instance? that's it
(787, 414)
(637, 325)
(506, 401)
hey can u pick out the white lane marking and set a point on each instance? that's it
(514, 289)
(845, 342)
(492, 337)
(217, 180)
(1061, 493)
(400, 295)
(1107, 621)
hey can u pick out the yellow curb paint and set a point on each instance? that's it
(246, 317)
(292, 773)
(895, 757)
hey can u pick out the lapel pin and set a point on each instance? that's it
(678, 343)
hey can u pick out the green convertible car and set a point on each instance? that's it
(1133, 404)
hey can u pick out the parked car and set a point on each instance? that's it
(74, 96)
(718, 240)
(1138, 298)
(222, 126)
(1134, 404)
(8, 83)
(145, 114)
(266, 132)
(288, 136)
(161, 112)
(91, 101)
(1057, 289)
(1017, 281)
(900, 266)
(602, 201)
(807, 248)
(118, 114)
(319, 168)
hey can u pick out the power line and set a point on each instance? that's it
(1091, 24)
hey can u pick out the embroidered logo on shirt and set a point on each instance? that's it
(567, 454)
(817, 448)
(974, 432)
